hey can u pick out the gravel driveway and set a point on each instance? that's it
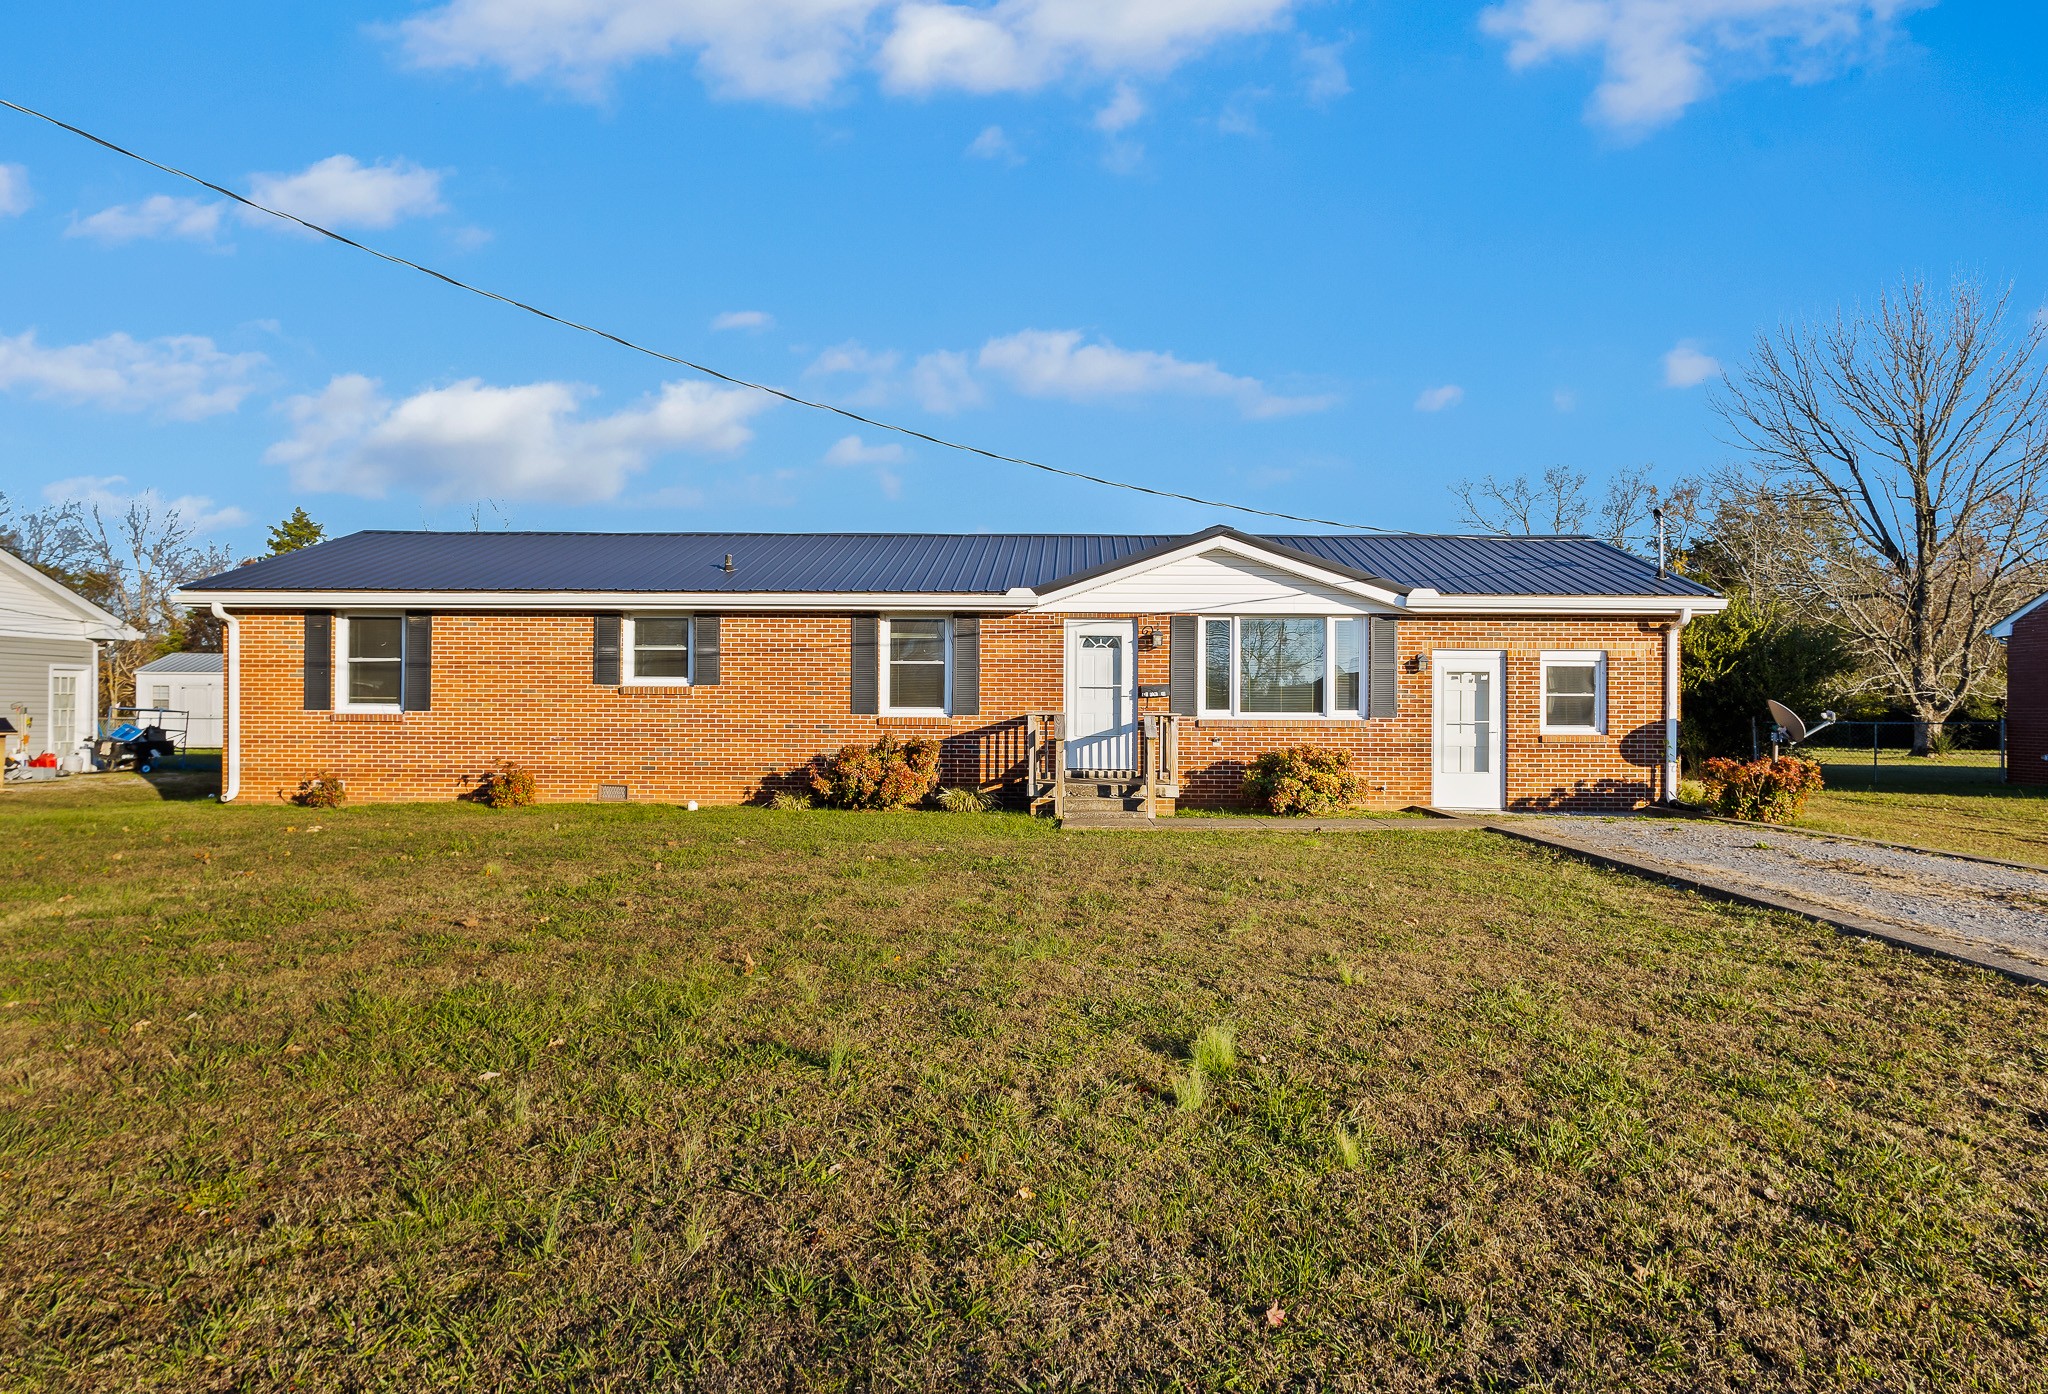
(1997, 906)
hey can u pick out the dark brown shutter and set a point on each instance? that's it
(319, 661)
(967, 665)
(604, 650)
(1384, 657)
(867, 694)
(704, 651)
(419, 662)
(1184, 675)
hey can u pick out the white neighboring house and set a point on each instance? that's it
(182, 692)
(50, 663)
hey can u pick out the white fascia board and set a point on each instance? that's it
(2003, 629)
(1279, 561)
(1565, 604)
(585, 601)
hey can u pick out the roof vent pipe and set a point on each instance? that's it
(728, 564)
(1656, 513)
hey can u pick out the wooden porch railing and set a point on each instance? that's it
(1159, 758)
(1045, 760)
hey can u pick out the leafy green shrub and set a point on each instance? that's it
(790, 803)
(966, 800)
(1302, 779)
(507, 786)
(323, 790)
(1765, 791)
(883, 775)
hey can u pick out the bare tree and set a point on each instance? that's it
(1560, 503)
(1555, 505)
(1917, 429)
(51, 539)
(132, 565)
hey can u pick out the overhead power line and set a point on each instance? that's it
(694, 367)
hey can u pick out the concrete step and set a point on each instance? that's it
(1085, 803)
(1105, 788)
(1082, 822)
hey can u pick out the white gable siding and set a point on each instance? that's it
(1215, 583)
(28, 609)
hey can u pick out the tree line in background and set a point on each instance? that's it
(1889, 503)
(129, 563)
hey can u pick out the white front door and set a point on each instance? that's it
(1102, 695)
(67, 693)
(1467, 744)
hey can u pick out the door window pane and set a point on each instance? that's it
(63, 712)
(1280, 666)
(1350, 649)
(917, 664)
(661, 647)
(1466, 742)
(1571, 694)
(375, 644)
(1216, 665)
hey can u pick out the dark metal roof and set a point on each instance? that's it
(904, 563)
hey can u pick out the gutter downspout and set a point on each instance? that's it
(1671, 650)
(231, 775)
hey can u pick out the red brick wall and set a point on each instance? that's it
(2026, 701)
(518, 686)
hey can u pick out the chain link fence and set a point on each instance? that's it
(1882, 745)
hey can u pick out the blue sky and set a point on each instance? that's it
(1323, 258)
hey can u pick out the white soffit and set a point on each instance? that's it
(1218, 577)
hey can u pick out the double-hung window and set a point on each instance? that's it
(916, 656)
(1282, 666)
(1574, 693)
(373, 661)
(658, 649)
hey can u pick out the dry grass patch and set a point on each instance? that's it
(583, 1098)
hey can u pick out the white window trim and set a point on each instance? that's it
(1234, 713)
(629, 659)
(886, 705)
(1572, 658)
(339, 663)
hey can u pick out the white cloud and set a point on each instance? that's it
(470, 440)
(1124, 110)
(15, 196)
(943, 382)
(1056, 363)
(1686, 366)
(109, 494)
(852, 450)
(182, 376)
(743, 319)
(341, 191)
(1323, 69)
(992, 144)
(159, 215)
(1658, 57)
(799, 51)
(1440, 398)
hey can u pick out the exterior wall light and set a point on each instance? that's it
(1422, 661)
(1149, 639)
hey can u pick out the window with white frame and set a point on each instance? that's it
(916, 664)
(160, 695)
(1282, 666)
(1575, 693)
(373, 660)
(657, 649)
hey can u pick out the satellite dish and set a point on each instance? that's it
(1795, 729)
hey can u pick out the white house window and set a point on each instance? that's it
(160, 696)
(1293, 666)
(375, 649)
(915, 675)
(1575, 692)
(659, 648)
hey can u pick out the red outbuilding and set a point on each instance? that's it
(2025, 632)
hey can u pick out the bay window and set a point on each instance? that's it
(1282, 666)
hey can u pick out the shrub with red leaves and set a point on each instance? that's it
(1764, 791)
(883, 775)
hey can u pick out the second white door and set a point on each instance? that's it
(1467, 742)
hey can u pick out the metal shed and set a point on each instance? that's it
(185, 694)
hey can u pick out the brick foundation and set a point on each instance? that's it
(518, 686)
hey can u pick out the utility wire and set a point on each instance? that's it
(709, 372)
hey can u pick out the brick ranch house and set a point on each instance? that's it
(1516, 673)
(2025, 634)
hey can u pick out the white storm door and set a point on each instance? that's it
(1467, 744)
(1102, 695)
(67, 693)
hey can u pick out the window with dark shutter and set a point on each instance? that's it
(704, 662)
(419, 662)
(319, 661)
(1385, 655)
(604, 650)
(866, 696)
(967, 665)
(1184, 665)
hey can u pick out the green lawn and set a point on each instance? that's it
(627, 1098)
(1958, 802)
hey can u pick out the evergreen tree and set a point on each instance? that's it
(295, 532)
